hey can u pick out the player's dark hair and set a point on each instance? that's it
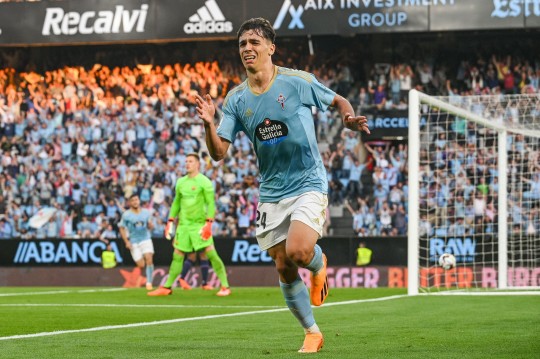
(133, 196)
(261, 26)
(195, 155)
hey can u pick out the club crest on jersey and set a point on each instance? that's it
(281, 99)
(271, 132)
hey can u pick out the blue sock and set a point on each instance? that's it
(185, 269)
(297, 298)
(149, 273)
(205, 267)
(317, 262)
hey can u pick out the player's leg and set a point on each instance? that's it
(176, 267)
(147, 248)
(219, 269)
(174, 270)
(182, 244)
(140, 279)
(273, 227)
(149, 261)
(137, 255)
(188, 264)
(205, 269)
(303, 250)
(307, 220)
(296, 297)
(206, 248)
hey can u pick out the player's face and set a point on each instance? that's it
(135, 202)
(255, 50)
(192, 165)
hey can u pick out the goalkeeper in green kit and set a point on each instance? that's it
(194, 206)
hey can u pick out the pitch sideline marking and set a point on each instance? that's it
(151, 306)
(62, 292)
(450, 293)
(179, 320)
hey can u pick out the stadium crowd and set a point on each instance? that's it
(459, 175)
(83, 138)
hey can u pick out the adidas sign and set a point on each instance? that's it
(208, 20)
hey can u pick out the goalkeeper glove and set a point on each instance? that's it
(169, 229)
(206, 231)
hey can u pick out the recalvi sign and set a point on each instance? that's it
(59, 22)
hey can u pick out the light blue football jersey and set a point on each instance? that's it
(136, 224)
(279, 123)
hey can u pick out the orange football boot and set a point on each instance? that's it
(184, 284)
(223, 292)
(161, 291)
(319, 285)
(312, 343)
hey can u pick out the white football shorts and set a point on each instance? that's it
(274, 219)
(139, 249)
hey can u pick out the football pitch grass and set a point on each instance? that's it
(115, 323)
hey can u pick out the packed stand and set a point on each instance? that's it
(370, 177)
(83, 138)
(459, 175)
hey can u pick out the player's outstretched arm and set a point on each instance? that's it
(217, 146)
(350, 120)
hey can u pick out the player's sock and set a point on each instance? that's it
(313, 329)
(317, 262)
(175, 269)
(297, 298)
(185, 269)
(205, 267)
(149, 273)
(218, 266)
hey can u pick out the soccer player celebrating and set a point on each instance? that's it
(273, 108)
(194, 205)
(135, 227)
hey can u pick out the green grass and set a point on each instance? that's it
(403, 327)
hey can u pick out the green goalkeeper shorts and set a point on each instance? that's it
(188, 238)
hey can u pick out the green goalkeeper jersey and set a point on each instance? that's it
(194, 200)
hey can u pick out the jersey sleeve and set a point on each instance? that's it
(313, 93)
(229, 125)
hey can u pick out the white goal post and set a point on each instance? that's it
(474, 191)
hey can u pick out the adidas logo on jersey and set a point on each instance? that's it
(208, 20)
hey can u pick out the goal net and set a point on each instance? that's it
(474, 192)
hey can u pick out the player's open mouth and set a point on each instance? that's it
(249, 58)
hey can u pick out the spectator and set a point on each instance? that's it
(363, 255)
(6, 229)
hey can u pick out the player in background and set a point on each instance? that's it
(135, 227)
(189, 262)
(273, 108)
(194, 206)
